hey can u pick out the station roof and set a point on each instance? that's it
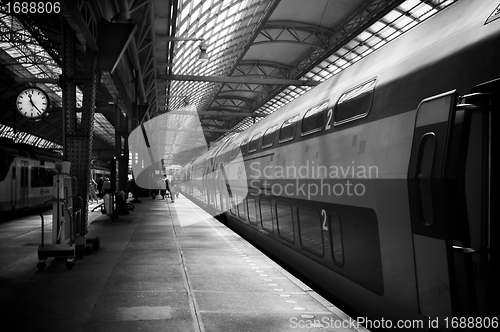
(261, 55)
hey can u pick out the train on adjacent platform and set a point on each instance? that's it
(375, 185)
(26, 176)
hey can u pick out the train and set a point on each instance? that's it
(97, 172)
(26, 176)
(375, 185)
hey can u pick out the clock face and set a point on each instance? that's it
(32, 103)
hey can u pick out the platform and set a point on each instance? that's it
(165, 267)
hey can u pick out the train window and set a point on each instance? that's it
(254, 142)
(41, 177)
(336, 239)
(252, 211)
(24, 173)
(314, 119)
(244, 146)
(287, 131)
(234, 152)
(284, 221)
(233, 209)
(269, 135)
(241, 207)
(354, 103)
(266, 215)
(311, 236)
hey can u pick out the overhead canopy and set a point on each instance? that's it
(261, 55)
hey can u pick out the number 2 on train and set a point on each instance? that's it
(328, 122)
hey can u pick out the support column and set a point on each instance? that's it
(124, 160)
(121, 153)
(78, 137)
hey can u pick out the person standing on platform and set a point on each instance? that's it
(163, 190)
(173, 190)
(92, 188)
(100, 182)
(169, 188)
(177, 188)
(106, 186)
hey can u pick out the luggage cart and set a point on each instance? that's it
(61, 246)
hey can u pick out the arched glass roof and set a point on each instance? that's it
(229, 26)
(288, 42)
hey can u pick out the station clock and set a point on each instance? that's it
(32, 103)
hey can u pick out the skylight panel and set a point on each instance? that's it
(210, 24)
(202, 19)
(328, 76)
(340, 62)
(206, 6)
(394, 35)
(421, 10)
(403, 21)
(332, 58)
(220, 18)
(194, 15)
(391, 16)
(351, 44)
(377, 26)
(182, 28)
(386, 32)
(379, 44)
(228, 22)
(374, 40)
(233, 10)
(225, 3)
(410, 25)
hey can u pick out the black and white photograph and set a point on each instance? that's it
(248, 165)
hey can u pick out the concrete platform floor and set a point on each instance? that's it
(165, 267)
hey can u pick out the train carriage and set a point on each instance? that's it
(26, 177)
(376, 184)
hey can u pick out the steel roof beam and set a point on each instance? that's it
(295, 32)
(266, 68)
(206, 130)
(241, 80)
(218, 113)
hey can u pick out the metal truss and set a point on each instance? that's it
(295, 32)
(325, 42)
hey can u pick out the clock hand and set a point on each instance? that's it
(37, 108)
(33, 104)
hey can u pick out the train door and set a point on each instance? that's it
(210, 187)
(204, 186)
(215, 179)
(13, 186)
(448, 182)
(23, 184)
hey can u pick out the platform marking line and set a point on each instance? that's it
(193, 305)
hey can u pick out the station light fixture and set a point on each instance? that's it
(203, 51)
(203, 47)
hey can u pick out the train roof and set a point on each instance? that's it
(452, 31)
(28, 151)
(449, 32)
